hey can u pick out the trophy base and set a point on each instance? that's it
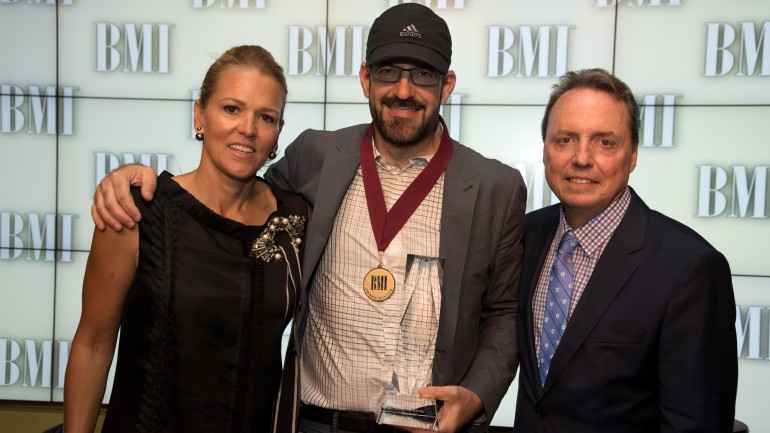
(406, 410)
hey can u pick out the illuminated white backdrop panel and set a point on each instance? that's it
(126, 75)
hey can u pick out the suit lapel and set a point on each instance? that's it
(461, 185)
(537, 240)
(613, 270)
(338, 170)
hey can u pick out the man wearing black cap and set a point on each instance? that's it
(426, 195)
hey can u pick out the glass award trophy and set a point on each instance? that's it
(415, 346)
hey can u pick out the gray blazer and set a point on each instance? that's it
(481, 228)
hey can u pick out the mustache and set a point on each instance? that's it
(395, 102)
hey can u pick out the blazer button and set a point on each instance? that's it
(540, 412)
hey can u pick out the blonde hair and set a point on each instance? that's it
(242, 56)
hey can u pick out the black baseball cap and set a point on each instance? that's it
(410, 31)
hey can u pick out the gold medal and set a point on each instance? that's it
(379, 284)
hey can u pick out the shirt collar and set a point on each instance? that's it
(593, 234)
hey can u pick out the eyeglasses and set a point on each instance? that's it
(418, 76)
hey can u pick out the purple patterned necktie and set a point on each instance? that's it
(557, 303)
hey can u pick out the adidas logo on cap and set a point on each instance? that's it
(410, 30)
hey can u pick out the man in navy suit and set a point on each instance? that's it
(635, 330)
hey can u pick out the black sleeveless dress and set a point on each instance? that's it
(200, 337)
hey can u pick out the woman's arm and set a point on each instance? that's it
(109, 274)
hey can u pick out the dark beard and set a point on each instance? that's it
(398, 132)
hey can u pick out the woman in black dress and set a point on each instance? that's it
(202, 289)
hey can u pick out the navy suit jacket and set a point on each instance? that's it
(651, 344)
(481, 225)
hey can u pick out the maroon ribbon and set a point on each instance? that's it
(387, 224)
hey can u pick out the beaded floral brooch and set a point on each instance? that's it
(264, 247)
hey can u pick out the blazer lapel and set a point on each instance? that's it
(338, 170)
(461, 185)
(537, 240)
(613, 270)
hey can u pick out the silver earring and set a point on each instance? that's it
(199, 135)
(272, 155)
